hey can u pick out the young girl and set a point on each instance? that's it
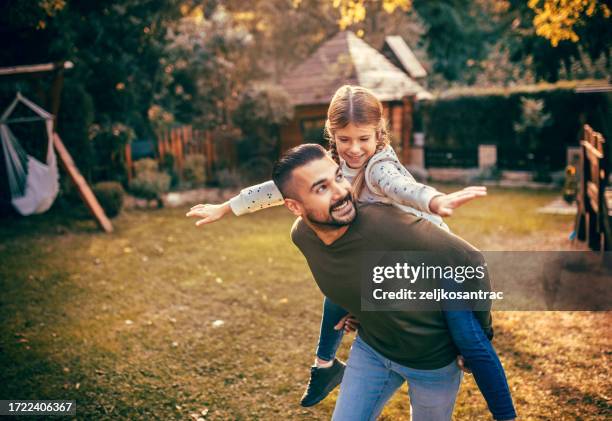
(359, 143)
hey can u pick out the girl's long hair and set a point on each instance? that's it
(357, 105)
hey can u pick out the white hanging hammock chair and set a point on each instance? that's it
(33, 185)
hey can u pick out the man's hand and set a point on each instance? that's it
(349, 323)
(461, 364)
(209, 213)
(444, 204)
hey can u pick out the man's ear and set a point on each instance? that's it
(294, 207)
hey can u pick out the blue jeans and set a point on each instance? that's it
(371, 379)
(470, 340)
(329, 338)
(481, 358)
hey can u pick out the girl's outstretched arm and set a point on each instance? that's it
(445, 204)
(397, 184)
(250, 199)
(208, 213)
(387, 179)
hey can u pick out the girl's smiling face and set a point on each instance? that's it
(356, 144)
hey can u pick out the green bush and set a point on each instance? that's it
(145, 165)
(194, 170)
(69, 201)
(229, 178)
(262, 109)
(256, 170)
(167, 165)
(108, 142)
(110, 195)
(149, 183)
(463, 119)
(73, 127)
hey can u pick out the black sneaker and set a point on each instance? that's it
(322, 381)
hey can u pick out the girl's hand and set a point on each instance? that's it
(462, 366)
(445, 204)
(209, 213)
(349, 323)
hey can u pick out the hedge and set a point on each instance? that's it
(464, 119)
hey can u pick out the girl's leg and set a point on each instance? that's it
(330, 338)
(482, 359)
(327, 372)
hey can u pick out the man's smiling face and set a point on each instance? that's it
(322, 195)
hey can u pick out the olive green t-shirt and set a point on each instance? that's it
(416, 339)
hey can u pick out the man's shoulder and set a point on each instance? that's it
(298, 230)
(381, 216)
(394, 227)
(375, 209)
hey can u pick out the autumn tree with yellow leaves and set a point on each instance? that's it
(554, 20)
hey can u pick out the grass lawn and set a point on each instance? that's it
(161, 320)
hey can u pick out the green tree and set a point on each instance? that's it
(548, 60)
(261, 110)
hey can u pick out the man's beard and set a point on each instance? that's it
(332, 222)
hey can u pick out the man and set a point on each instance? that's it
(392, 346)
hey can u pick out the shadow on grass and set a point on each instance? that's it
(525, 360)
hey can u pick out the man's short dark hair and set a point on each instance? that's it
(294, 158)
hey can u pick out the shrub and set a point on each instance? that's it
(466, 119)
(261, 109)
(74, 126)
(70, 201)
(229, 178)
(145, 165)
(194, 171)
(487, 174)
(108, 142)
(167, 165)
(257, 170)
(110, 195)
(149, 183)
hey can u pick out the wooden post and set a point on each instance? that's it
(167, 143)
(56, 93)
(174, 146)
(209, 155)
(35, 68)
(196, 140)
(84, 191)
(179, 148)
(592, 198)
(128, 161)
(160, 145)
(188, 139)
(406, 131)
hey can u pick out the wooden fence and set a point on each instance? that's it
(183, 141)
(593, 223)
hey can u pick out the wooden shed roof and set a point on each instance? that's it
(346, 59)
(405, 56)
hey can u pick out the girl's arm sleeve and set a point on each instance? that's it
(254, 198)
(403, 189)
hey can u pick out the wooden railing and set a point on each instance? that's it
(593, 222)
